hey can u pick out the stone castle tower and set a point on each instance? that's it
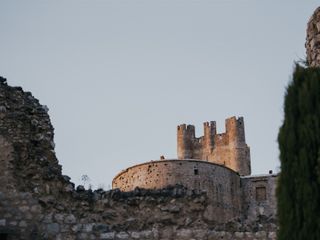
(228, 149)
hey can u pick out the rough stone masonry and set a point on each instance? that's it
(313, 39)
(38, 202)
(214, 163)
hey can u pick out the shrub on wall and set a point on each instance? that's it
(298, 191)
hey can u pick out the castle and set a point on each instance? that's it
(187, 198)
(207, 193)
(228, 149)
(218, 164)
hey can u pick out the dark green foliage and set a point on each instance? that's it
(298, 189)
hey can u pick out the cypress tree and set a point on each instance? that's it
(298, 191)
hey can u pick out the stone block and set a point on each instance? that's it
(70, 219)
(2, 222)
(272, 235)
(109, 235)
(24, 208)
(122, 235)
(76, 228)
(200, 233)
(23, 224)
(35, 209)
(13, 223)
(261, 235)
(147, 234)
(184, 234)
(88, 227)
(166, 232)
(59, 217)
(53, 228)
(83, 236)
(101, 227)
(135, 235)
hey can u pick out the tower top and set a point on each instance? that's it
(228, 148)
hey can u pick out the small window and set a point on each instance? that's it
(196, 171)
(261, 194)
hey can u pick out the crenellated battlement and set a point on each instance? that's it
(228, 148)
(186, 129)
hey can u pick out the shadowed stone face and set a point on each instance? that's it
(313, 39)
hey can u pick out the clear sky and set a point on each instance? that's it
(119, 76)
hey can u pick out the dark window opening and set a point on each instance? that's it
(261, 194)
(196, 171)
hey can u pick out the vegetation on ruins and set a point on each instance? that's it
(298, 190)
(85, 180)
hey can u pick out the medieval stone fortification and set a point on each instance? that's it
(207, 193)
(218, 164)
(175, 199)
(228, 149)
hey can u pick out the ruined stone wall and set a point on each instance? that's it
(38, 202)
(229, 148)
(313, 39)
(221, 184)
(167, 214)
(27, 154)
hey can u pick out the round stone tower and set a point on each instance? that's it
(313, 39)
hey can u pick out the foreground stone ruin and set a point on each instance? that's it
(38, 202)
(197, 200)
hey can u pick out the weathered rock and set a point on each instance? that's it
(313, 39)
(109, 235)
(41, 203)
(53, 228)
(3, 222)
(70, 219)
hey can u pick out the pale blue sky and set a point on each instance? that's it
(119, 76)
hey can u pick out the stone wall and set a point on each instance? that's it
(229, 148)
(259, 197)
(248, 197)
(313, 39)
(221, 184)
(20, 213)
(172, 214)
(38, 202)
(27, 156)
